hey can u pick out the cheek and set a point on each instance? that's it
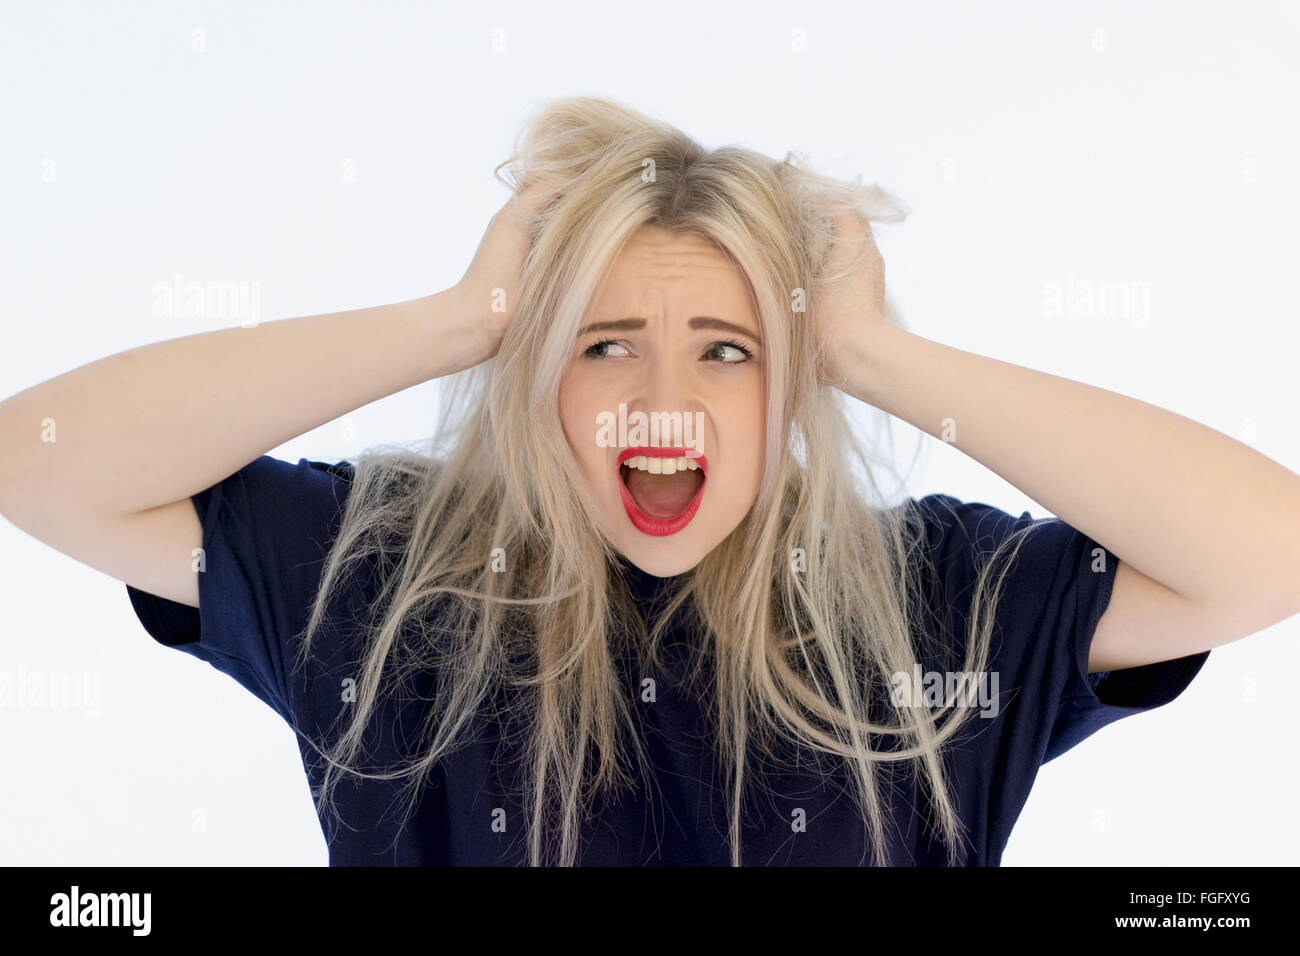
(579, 405)
(743, 422)
(749, 414)
(569, 410)
(574, 399)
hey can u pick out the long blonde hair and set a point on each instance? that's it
(808, 606)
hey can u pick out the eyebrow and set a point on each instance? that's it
(695, 322)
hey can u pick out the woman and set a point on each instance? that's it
(634, 606)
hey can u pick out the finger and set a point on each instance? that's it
(528, 202)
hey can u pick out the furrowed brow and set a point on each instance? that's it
(709, 322)
(696, 322)
(613, 325)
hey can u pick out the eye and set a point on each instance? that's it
(595, 350)
(734, 346)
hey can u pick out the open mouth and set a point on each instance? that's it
(661, 487)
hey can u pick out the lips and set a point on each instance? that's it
(659, 504)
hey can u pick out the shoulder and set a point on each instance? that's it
(276, 495)
(944, 513)
(281, 486)
(976, 557)
(960, 531)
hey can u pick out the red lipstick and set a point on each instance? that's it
(643, 522)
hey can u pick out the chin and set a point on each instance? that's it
(662, 562)
(665, 512)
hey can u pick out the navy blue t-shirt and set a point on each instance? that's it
(267, 529)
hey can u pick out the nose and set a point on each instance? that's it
(663, 385)
(662, 381)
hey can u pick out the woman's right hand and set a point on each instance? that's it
(136, 522)
(489, 290)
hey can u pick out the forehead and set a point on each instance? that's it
(659, 268)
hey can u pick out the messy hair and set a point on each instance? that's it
(802, 651)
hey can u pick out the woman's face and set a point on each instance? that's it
(660, 380)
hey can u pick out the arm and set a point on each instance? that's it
(137, 433)
(1207, 530)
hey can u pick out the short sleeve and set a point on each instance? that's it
(1056, 589)
(267, 529)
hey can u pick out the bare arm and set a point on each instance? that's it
(136, 433)
(1205, 531)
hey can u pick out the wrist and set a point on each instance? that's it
(864, 369)
(452, 341)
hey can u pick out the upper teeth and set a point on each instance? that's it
(662, 466)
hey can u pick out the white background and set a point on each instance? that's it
(341, 156)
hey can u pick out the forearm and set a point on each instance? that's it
(1205, 515)
(158, 423)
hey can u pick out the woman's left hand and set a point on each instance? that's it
(852, 307)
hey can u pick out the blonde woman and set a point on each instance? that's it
(641, 600)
